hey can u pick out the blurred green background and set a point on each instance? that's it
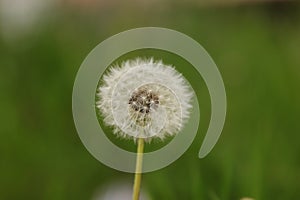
(256, 46)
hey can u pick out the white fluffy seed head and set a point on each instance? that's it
(144, 99)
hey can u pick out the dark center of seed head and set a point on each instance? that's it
(143, 101)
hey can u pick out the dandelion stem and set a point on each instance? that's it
(138, 170)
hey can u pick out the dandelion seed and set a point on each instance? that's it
(144, 99)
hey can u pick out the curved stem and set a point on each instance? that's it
(138, 169)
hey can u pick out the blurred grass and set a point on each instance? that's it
(257, 51)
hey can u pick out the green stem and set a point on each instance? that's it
(138, 170)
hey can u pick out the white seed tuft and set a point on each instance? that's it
(144, 99)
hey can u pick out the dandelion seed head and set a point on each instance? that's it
(144, 99)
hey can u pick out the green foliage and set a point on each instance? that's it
(257, 52)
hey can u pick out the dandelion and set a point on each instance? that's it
(144, 99)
